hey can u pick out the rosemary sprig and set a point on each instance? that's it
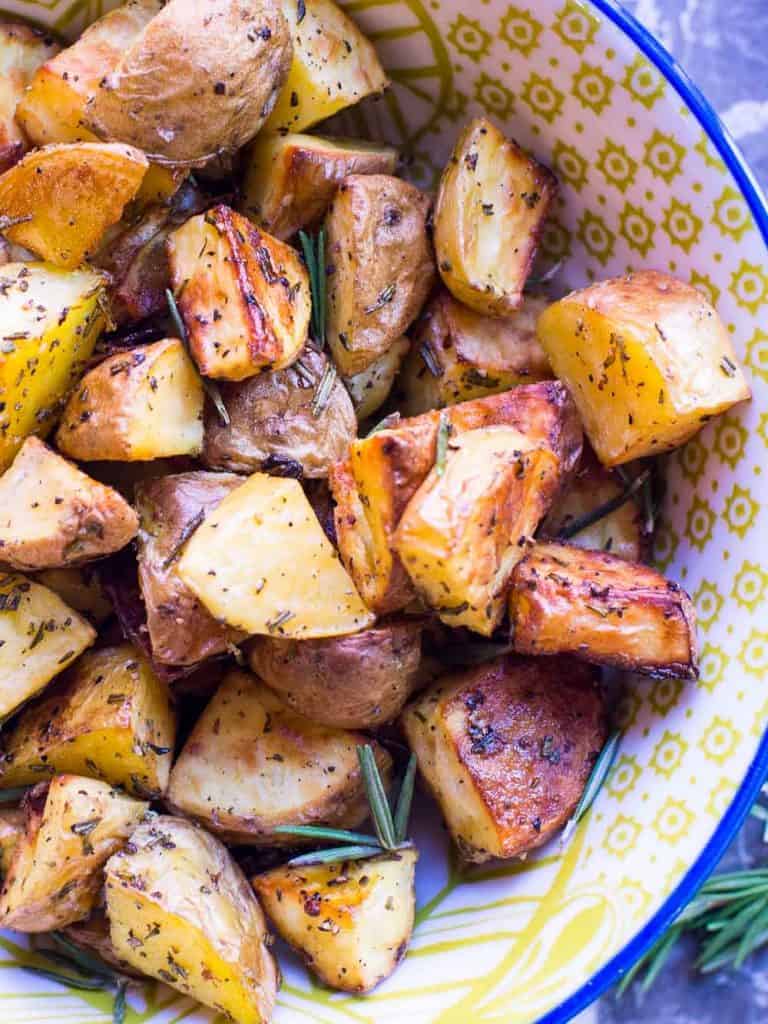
(597, 777)
(596, 514)
(320, 832)
(404, 801)
(377, 797)
(313, 248)
(335, 854)
(211, 389)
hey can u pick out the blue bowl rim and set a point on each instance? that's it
(755, 777)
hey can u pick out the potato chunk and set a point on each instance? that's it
(111, 720)
(141, 404)
(370, 388)
(458, 354)
(180, 910)
(11, 831)
(81, 589)
(252, 764)
(244, 295)
(351, 923)
(39, 637)
(50, 322)
(22, 51)
(506, 749)
(603, 609)
(261, 563)
(647, 359)
(72, 827)
(382, 266)
(52, 515)
(92, 935)
(491, 206)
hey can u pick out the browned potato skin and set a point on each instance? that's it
(272, 427)
(92, 935)
(11, 830)
(600, 608)
(358, 681)
(181, 630)
(382, 266)
(81, 589)
(506, 749)
(22, 50)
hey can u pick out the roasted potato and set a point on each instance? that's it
(181, 630)
(72, 827)
(111, 719)
(244, 295)
(323, 679)
(370, 388)
(180, 910)
(52, 515)
(565, 600)
(51, 320)
(11, 830)
(276, 425)
(290, 179)
(143, 403)
(333, 66)
(261, 563)
(350, 922)
(39, 637)
(458, 354)
(506, 749)
(380, 264)
(81, 589)
(22, 51)
(251, 764)
(491, 206)
(92, 936)
(647, 359)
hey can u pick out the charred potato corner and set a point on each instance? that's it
(240, 619)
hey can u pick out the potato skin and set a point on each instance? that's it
(371, 388)
(506, 749)
(81, 589)
(22, 50)
(11, 831)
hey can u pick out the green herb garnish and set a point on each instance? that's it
(590, 518)
(313, 248)
(597, 777)
(443, 435)
(211, 389)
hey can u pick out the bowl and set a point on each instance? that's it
(649, 179)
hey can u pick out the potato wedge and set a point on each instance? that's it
(323, 679)
(381, 267)
(275, 424)
(647, 359)
(252, 764)
(22, 51)
(181, 630)
(51, 320)
(458, 354)
(491, 206)
(11, 831)
(111, 720)
(244, 295)
(39, 637)
(600, 608)
(72, 827)
(92, 936)
(506, 749)
(52, 515)
(351, 923)
(290, 180)
(333, 66)
(141, 404)
(243, 561)
(370, 388)
(81, 589)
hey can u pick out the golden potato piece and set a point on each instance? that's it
(92, 936)
(39, 637)
(22, 51)
(351, 922)
(141, 404)
(261, 563)
(598, 607)
(110, 720)
(251, 764)
(647, 359)
(51, 319)
(72, 827)
(11, 831)
(491, 206)
(506, 749)
(180, 910)
(244, 295)
(290, 179)
(81, 589)
(370, 388)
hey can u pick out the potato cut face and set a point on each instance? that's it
(52, 515)
(370, 388)
(110, 720)
(647, 359)
(72, 827)
(244, 295)
(180, 910)
(252, 764)
(140, 404)
(603, 609)
(40, 636)
(359, 921)
(506, 749)
(261, 563)
(22, 51)
(56, 344)
(491, 206)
